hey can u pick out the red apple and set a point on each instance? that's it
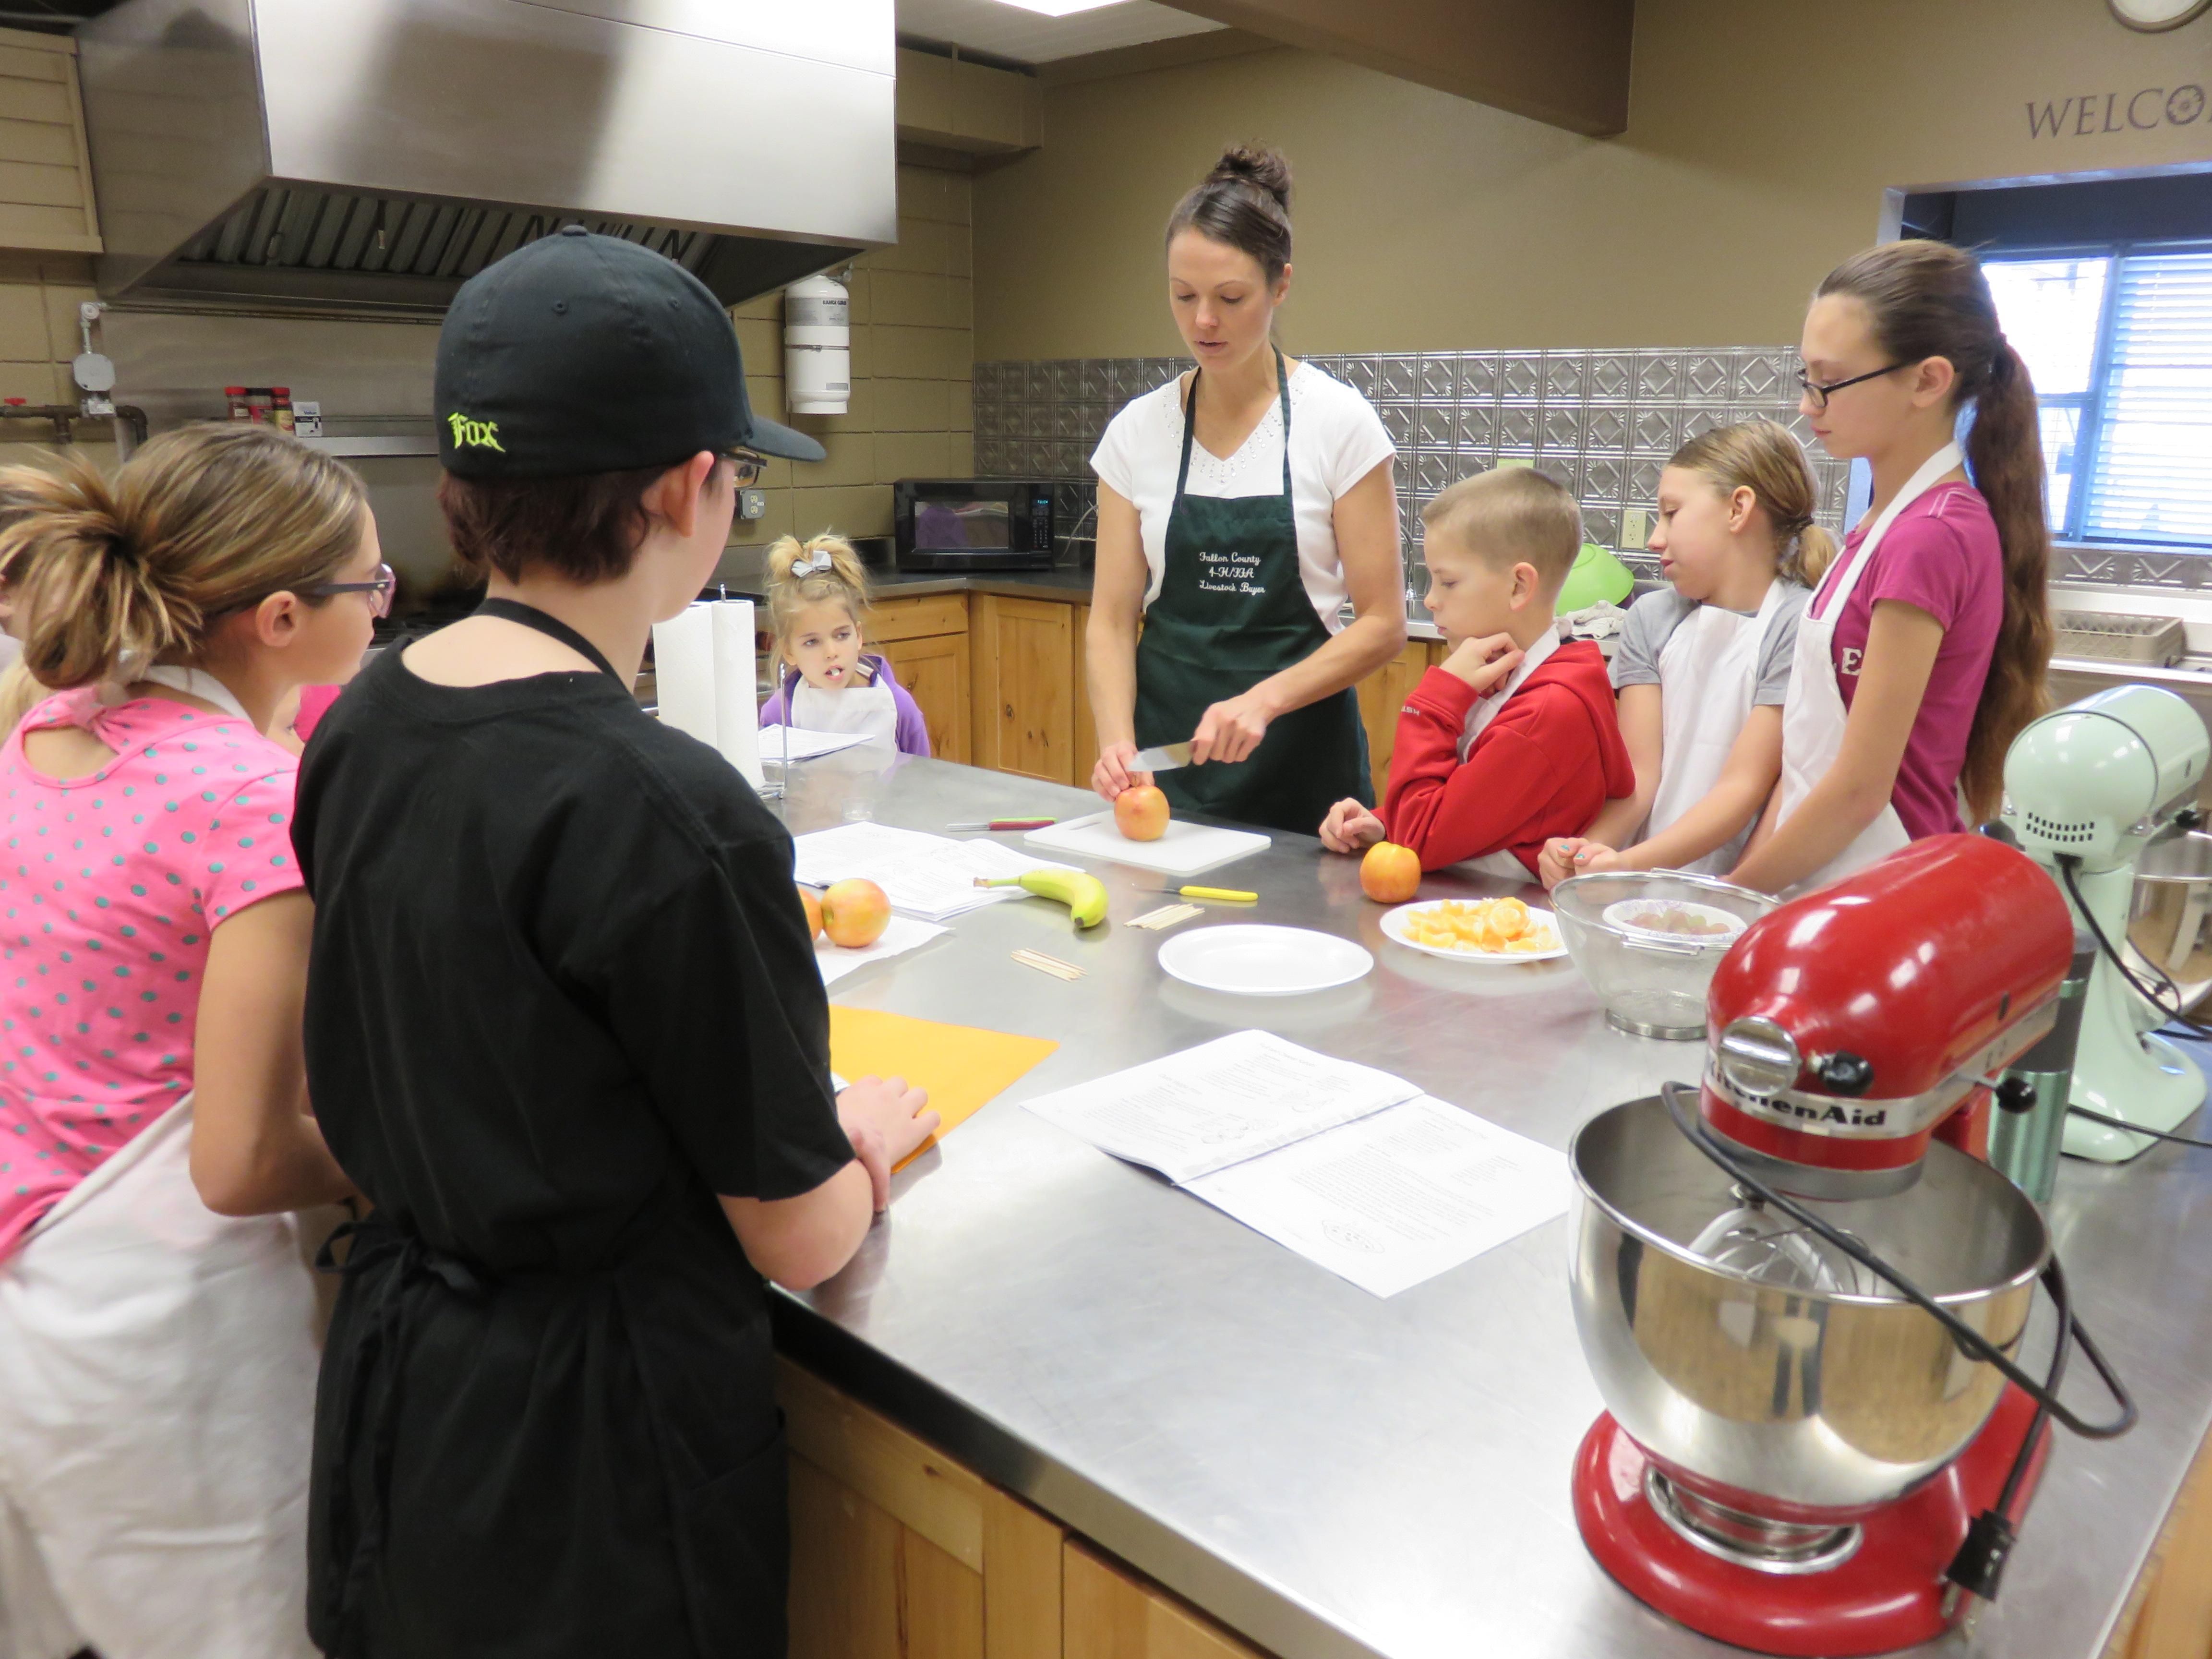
(812, 906)
(854, 912)
(1390, 874)
(1142, 813)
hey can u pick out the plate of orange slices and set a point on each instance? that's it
(1476, 930)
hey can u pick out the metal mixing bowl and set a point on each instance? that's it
(1651, 985)
(1816, 1404)
(2170, 917)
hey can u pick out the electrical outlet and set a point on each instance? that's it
(752, 503)
(1635, 526)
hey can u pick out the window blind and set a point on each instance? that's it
(2152, 476)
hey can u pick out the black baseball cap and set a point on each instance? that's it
(579, 353)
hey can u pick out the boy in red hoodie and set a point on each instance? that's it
(1513, 736)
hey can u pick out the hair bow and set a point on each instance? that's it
(813, 564)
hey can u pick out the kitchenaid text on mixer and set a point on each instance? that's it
(1802, 1291)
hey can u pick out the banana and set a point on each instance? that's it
(1083, 894)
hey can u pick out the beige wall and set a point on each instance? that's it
(1761, 139)
(39, 296)
(911, 415)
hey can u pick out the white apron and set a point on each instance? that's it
(1503, 864)
(865, 709)
(1708, 673)
(157, 1384)
(1813, 714)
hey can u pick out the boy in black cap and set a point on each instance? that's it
(565, 1030)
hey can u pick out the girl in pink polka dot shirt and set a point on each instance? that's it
(111, 885)
(157, 1351)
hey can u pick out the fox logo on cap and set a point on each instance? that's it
(479, 434)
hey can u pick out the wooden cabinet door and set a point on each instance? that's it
(914, 619)
(1024, 676)
(935, 671)
(1382, 693)
(1110, 1614)
(899, 1552)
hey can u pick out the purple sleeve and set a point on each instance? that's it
(1935, 562)
(913, 730)
(776, 711)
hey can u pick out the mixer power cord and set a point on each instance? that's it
(1978, 1566)
(1976, 1345)
(2069, 867)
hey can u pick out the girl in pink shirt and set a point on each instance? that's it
(1923, 651)
(157, 1356)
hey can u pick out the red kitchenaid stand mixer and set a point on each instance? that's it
(1802, 1300)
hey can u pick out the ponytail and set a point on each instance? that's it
(107, 577)
(86, 605)
(1816, 551)
(1930, 299)
(800, 573)
(1766, 458)
(2004, 454)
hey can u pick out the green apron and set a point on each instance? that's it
(1233, 610)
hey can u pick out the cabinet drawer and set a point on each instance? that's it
(915, 619)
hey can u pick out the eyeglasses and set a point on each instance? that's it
(1819, 393)
(379, 590)
(746, 467)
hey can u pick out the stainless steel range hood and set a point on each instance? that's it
(375, 154)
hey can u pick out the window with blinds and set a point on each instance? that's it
(2119, 342)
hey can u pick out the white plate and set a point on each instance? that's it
(1251, 959)
(1393, 927)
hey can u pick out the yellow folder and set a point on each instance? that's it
(964, 1067)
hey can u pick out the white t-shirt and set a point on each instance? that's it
(1336, 440)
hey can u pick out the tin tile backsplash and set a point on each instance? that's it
(1603, 422)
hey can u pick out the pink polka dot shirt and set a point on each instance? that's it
(110, 885)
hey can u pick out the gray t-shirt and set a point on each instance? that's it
(1653, 619)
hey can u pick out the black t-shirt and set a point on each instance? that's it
(562, 994)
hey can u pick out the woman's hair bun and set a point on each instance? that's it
(1256, 164)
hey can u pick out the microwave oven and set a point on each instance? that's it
(954, 524)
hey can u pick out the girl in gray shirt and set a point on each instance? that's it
(1701, 668)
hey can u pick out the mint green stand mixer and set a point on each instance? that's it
(2087, 788)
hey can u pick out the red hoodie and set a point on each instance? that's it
(1548, 761)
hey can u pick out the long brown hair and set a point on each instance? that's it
(1767, 459)
(109, 576)
(1929, 300)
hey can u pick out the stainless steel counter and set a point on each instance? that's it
(1331, 1473)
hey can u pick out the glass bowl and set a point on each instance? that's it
(1643, 939)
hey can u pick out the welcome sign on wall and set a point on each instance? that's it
(2086, 115)
(2139, 109)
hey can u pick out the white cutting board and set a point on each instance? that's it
(1185, 850)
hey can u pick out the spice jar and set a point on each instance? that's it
(280, 407)
(258, 403)
(239, 411)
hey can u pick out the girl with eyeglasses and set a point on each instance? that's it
(1923, 651)
(157, 1354)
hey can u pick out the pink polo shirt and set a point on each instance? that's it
(1942, 556)
(110, 885)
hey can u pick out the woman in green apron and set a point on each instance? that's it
(1240, 507)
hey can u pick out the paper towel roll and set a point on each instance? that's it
(683, 672)
(737, 694)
